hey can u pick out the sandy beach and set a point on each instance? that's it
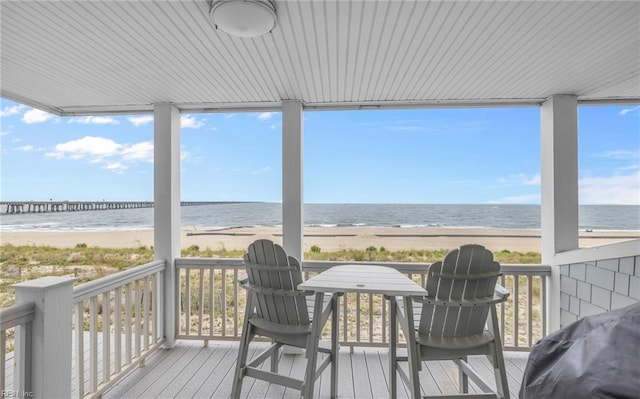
(327, 238)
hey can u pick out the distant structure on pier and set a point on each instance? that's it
(74, 206)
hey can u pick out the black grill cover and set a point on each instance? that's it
(595, 357)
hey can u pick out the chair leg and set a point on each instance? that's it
(502, 385)
(413, 351)
(463, 379)
(241, 362)
(275, 360)
(243, 350)
(312, 347)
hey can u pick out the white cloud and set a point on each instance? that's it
(620, 154)
(11, 110)
(190, 122)
(94, 120)
(90, 147)
(142, 151)
(27, 148)
(138, 121)
(614, 190)
(263, 116)
(113, 156)
(629, 110)
(116, 167)
(4, 133)
(36, 116)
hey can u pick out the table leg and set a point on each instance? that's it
(334, 346)
(393, 342)
(412, 349)
(312, 347)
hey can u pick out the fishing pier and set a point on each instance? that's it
(12, 207)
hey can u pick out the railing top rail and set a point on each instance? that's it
(16, 315)
(319, 266)
(206, 262)
(521, 269)
(97, 287)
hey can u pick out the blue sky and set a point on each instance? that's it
(476, 155)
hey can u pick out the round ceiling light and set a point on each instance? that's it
(243, 18)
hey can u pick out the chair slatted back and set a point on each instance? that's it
(269, 267)
(466, 274)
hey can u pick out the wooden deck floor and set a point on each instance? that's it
(191, 370)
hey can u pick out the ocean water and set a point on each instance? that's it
(595, 217)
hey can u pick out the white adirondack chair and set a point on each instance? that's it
(452, 324)
(277, 310)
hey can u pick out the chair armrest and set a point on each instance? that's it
(275, 292)
(501, 291)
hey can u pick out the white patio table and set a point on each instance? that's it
(368, 279)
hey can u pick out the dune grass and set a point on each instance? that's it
(20, 263)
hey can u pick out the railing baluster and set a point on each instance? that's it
(106, 344)
(384, 320)
(223, 300)
(502, 310)
(358, 317)
(3, 356)
(136, 286)
(529, 311)
(127, 326)
(117, 329)
(235, 302)
(80, 349)
(211, 302)
(370, 317)
(345, 319)
(187, 301)
(146, 312)
(201, 303)
(516, 302)
(93, 343)
(543, 304)
(154, 309)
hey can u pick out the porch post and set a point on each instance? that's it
(292, 135)
(49, 367)
(559, 197)
(166, 212)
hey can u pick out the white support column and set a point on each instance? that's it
(559, 200)
(50, 343)
(166, 213)
(292, 160)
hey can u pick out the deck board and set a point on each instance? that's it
(191, 370)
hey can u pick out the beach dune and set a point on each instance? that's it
(327, 238)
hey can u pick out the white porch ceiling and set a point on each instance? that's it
(89, 57)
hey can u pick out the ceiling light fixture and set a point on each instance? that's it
(243, 18)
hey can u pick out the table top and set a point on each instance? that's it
(368, 279)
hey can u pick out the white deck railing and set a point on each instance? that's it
(117, 320)
(210, 305)
(16, 319)
(123, 315)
